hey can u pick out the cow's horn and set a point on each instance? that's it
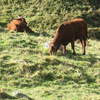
(24, 17)
(18, 16)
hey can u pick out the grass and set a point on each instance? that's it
(27, 67)
(47, 15)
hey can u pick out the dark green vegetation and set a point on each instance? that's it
(48, 14)
(25, 65)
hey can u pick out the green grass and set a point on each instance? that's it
(46, 15)
(26, 66)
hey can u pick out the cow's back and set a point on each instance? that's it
(76, 27)
(12, 26)
(79, 27)
(17, 22)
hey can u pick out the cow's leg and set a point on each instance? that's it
(27, 29)
(64, 49)
(18, 28)
(72, 44)
(83, 43)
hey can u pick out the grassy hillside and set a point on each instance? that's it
(49, 14)
(27, 67)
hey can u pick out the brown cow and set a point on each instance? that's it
(68, 32)
(19, 25)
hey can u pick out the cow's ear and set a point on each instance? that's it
(52, 45)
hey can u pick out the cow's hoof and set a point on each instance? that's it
(83, 53)
(74, 53)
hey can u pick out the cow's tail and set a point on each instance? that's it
(86, 32)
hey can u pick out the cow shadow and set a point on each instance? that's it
(3, 27)
(91, 58)
(4, 95)
(35, 34)
(44, 34)
(3, 24)
(80, 57)
(83, 69)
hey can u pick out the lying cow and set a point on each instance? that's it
(19, 25)
(68, 32)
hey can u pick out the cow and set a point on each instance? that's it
(19, 25)
(69, 32)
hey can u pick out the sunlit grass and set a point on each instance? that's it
(25, 64)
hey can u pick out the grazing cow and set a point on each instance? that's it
(68, 32)
(19, 25)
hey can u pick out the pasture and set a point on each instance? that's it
(27, 67)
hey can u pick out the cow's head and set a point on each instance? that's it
(53, 48)
(22, 19)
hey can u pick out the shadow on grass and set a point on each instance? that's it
(86, 77)
(3, 24)
(3, 30)
(92, 59)
(4, 96)
(45, 34)
(35, 34)
(80, 57)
